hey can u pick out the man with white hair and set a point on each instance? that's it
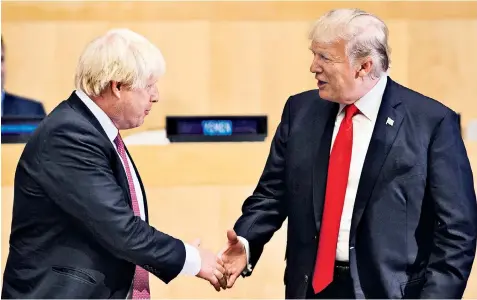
(80, 220)
(373, 177)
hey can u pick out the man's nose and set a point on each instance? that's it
(316, 67)
(155, 95)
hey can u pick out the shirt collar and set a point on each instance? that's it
(103, 119)
(369, 104)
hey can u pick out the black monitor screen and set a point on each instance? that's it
(218, 128)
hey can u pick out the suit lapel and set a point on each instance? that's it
(322, 134)
(123, 179)
(387, 125)
(140, 183)
(76, 103)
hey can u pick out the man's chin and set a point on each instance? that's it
(132, 124)
(137, 124)
(325, 96)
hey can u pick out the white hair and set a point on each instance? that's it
(365, 35)
(120, 55)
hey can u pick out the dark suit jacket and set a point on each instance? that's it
(14, 105)
(413, 231)
(74, 233)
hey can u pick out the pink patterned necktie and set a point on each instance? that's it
(141, 276)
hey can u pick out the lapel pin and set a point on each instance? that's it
(390, 121)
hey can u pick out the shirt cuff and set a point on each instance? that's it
(244, 242)
(193, 261)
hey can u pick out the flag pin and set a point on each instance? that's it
(390, 121)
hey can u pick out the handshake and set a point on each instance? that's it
(222, 269)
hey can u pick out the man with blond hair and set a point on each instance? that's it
(80, 220)
(373, 177)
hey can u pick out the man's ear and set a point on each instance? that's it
(116, 88)
(365, 67)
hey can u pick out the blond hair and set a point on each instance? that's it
(365, 35)
(119, 55)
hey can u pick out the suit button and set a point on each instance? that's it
(315, 237)
(306, 278)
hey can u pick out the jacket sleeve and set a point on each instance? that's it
(76, 174)
(451, 187)
(264, 211)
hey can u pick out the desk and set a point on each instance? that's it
(180, 164)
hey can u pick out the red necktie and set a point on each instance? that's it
(338, 171)
(141, 276)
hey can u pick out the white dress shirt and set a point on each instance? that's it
(363, 126)
(193, 261)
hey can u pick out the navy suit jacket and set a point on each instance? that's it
(14, 105)
(413, 230)
(74, 233)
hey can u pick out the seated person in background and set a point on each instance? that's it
(13, 105)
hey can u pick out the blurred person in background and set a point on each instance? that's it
(14, 105)
(373, 177)
(80, 226)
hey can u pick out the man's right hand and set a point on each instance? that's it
(234, 257)
(212, 268)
